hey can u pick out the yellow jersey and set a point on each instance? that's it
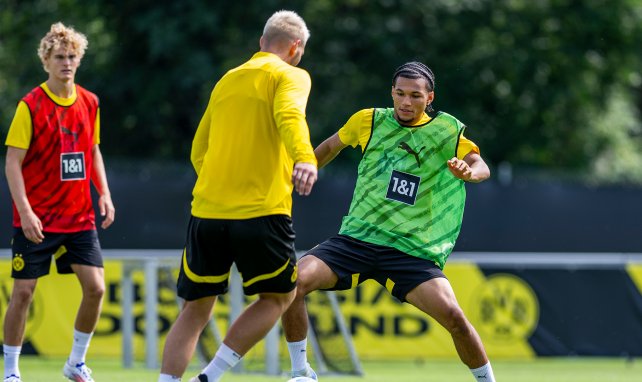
(21, 128)
(248, 140)
(359, 127)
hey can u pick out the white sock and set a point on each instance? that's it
(168, 378)
(298, 355)
(11, 356)
(224, 360)
(79, 348)
(484, 373)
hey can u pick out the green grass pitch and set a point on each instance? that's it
(38, 369)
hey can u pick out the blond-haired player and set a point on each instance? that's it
(251, 149)
(52, 159)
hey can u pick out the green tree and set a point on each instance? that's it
(527, 77)
(22, 24)
(551, 84)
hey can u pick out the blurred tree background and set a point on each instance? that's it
(552, 85)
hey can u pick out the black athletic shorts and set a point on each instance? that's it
(31, 261)
(262, 249)
(355, 261)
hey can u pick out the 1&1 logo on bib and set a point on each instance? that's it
(403, 187)
(72, 166)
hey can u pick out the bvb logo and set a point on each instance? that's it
(18, 262)
(508, 309)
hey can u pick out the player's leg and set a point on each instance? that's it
(203, 275)
(29, 262)
(16, 315)
(330, 265)
(80, 254)
(14, 324)
(263, 250)
(313, 274)
(92, 283)
(257, 320)
(436, 298)
(183, 336)
(245, 332)
(264, 254)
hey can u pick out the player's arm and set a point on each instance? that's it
(329, 149)
(31, 224)
(471, 169)
(201, 141)
(468, 165)
(290, 100)
(99, 179)
(355, 132)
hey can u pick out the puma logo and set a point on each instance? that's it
(69, 132)
(409, 150)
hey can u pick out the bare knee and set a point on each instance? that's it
(281, 300)
(22, 296)
(198, 312)
(94, 291)
(303, 286)
(456, 322)
(313, 274)
(92, 281)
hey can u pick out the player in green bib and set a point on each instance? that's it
(405, 215)
(404, 199)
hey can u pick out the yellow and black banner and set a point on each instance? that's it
(519, 312)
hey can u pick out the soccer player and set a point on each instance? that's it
(52, 157)
(251, 149)
(405, 214)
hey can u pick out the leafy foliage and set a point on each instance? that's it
(540, 84)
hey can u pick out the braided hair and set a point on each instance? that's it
(413, 70)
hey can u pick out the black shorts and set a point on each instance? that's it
(262, 249)
(355, 261)
(31, 261)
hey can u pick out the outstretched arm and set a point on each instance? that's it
(471, 169)
(305, 174)
(329, 149)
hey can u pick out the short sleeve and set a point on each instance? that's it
(21, 128)
(97, 128)
(465, 147)
(358, 129)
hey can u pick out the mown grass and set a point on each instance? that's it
(39, 369)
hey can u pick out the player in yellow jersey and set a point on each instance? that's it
(251, 149)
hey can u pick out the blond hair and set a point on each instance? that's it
(286, 25)
(61, 36)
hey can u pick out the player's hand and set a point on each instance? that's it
(303, 177)
(460, 169)
(32, 227)
(107, 210)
